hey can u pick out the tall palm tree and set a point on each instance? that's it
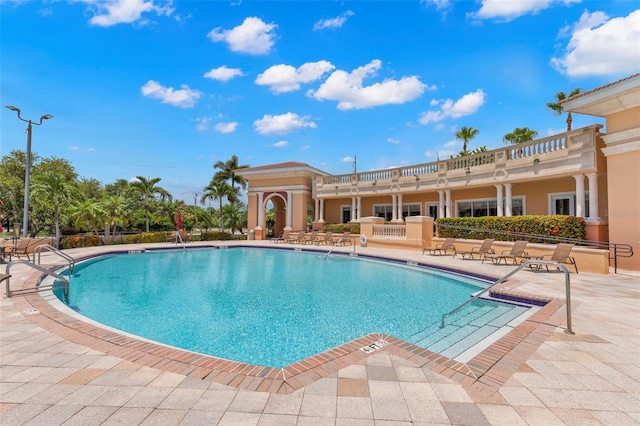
(218, 190)
(520, 135)
(465, 134)
(227, 172)
(147, 191)
(55, 188)
(556, 107)
(235, 216)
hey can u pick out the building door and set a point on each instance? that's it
(562, 204)
(432, 210)
(346, 214)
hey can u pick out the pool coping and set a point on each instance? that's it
(485, 372)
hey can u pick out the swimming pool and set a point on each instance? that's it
(260, 306)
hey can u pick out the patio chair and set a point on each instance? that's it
(284, 235)
(441, 249)
(477, 252)
(294, 237)
(517, 251)
(21, 248)
(310, 238)
(560, 255)
(342, 240)
(326, 239)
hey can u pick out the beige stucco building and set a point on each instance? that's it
(585, 173)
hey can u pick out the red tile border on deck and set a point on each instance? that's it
(490, 369)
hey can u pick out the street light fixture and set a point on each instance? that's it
(27, 173)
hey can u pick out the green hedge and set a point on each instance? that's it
(217, 236)
(339, 228)
(556, 226)
(80, 241)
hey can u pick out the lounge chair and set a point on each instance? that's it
(21, 248)
(560, 255)
(294, 237)
(516, 252)
(342, 240)
(441, 249)
(310, 238)
(326, 239)
(284, 235)
(477, 252)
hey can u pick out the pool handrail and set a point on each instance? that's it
(9, 293)
(503, 279)
(54, 250)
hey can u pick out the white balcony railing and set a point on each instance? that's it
(390, 232)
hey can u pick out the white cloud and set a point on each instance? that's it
(253, 36)
(506, 11)
(226, 127)
(280, 144)
(183, 97)
(106, 13)
(452, 143)
(223, 73)
(393, 141)
(78, 149)
(304, 148)
(438, 4)
(347, 159)
(466, 105)
(348, 90)
(285, 78)
(203, 124)
(332, 23)
(600, 46)
(281, 124)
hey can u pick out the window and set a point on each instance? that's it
(432, 210)
(565, 203)
(386, 211)
(346, 214)
(479, 208)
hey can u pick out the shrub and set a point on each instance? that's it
(80, 241)
(339, 228)
(217, 236)
(152, 237)
(553, 226)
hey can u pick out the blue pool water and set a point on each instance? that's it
(260, 306)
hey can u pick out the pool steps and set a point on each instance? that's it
(471, 325)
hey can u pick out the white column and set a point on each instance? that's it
(321, 209)
(440, 203)
(353, 209)
(507, 200)
(593, 196)
(315, 211)
(400, 207)
(260, 209)
(394, 208)
(359, 207)
(499, 199)
(289, 209)
(447, 193)
(579, 195)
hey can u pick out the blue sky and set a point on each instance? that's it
(165, 89)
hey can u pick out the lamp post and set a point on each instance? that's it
(27, 173)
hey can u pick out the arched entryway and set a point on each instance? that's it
(277, 203)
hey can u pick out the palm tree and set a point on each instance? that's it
(520, 135)
(465, 134)
(227, 172)
(556, 107)
(218, 190)
(87, 214)
(116, 208)
(147, 190)
(235, 216)
(55, 188)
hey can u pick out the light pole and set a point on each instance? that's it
(27, 173)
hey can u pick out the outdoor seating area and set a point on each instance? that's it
(441, 249)
(313, 238)
(561, 255)
(20, 248)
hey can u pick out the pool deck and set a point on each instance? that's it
(55, 369)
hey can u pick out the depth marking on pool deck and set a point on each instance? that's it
(378, 344)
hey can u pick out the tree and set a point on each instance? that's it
(53, 187)
(556, 107)
(147, 190)
(227, 171)
(520, 135)
(235, 216)
(465, 134)
(116, 209)
(218, 190)
(87, 214)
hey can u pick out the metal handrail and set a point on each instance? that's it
(9, 293)
(560, 266)
(619, 249)
(38, 250)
